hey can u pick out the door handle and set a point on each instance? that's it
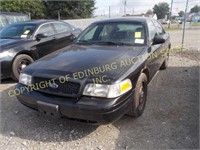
(54, 38)
(33, 48)
(72, 36)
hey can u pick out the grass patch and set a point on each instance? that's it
(196, 24)
(172, 28)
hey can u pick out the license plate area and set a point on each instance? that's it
(47, 109)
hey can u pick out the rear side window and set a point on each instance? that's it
(152, 30)
(159, 28)
(46, 29)
(61, 27)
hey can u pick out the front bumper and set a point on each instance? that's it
(6, 64)
(85, 109)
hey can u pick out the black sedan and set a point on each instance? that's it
(23, 43)
(100, 77)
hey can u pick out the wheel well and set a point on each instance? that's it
(146, 71)
(26, 53)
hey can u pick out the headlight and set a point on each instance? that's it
(25, 79)
(4, 54)
(108, 91)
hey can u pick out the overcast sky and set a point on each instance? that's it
(139, 6)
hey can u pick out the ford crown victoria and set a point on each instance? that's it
(102, 76)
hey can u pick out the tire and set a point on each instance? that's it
(165, 63)
(19, 63)
(139, 97)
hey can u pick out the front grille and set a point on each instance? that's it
(68, 88)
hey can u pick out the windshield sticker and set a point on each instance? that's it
(23, 36)
(26, 32)
(139, 41)
(138, 34)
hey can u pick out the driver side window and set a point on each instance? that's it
(159, 28)
(152, 30)
(90, 34)
(46, 30)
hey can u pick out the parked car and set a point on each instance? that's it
(107, 50)
(23, 43)
(7, 18)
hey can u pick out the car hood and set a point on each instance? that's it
(9, 43)
(78, 58)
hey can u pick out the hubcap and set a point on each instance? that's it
(141, 94)
(22, 64)
(141, 97)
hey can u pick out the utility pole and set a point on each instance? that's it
(29, 15)
(109, 12)
(58, 15)
(170, 14)
(133, 11)
(124, 7)
(186, 7)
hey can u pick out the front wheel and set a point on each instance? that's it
(19, 63)
(165, 63)
(139, 98)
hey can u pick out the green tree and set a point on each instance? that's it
(149, 12)
(161, 9)
(195, 9)
(173, 17)
(69, 9)
(34, 7)
(181, 13)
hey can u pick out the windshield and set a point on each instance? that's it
(17, 31)
(114, 33)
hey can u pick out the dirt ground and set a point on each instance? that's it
(170, 120)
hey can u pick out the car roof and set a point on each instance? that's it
(38, 22)
(125, 19)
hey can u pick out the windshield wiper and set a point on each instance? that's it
(112, 43)
(7, 37)
(103, 43)
(106, 42)
(127, 44)
(84, 42)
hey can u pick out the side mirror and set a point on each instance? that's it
(80, 29)
(40, 36)
(158, 40)
(149, 50)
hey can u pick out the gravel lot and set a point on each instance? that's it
(170, 120)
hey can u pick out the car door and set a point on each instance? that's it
(153, 62)
(64, 35)
(46, 45)
(162, 47)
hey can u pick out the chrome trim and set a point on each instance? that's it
(52, 27)
(40, 27)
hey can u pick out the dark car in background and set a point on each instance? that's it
(106, 70)
(23, 43)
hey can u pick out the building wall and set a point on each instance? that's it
(82, 23)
